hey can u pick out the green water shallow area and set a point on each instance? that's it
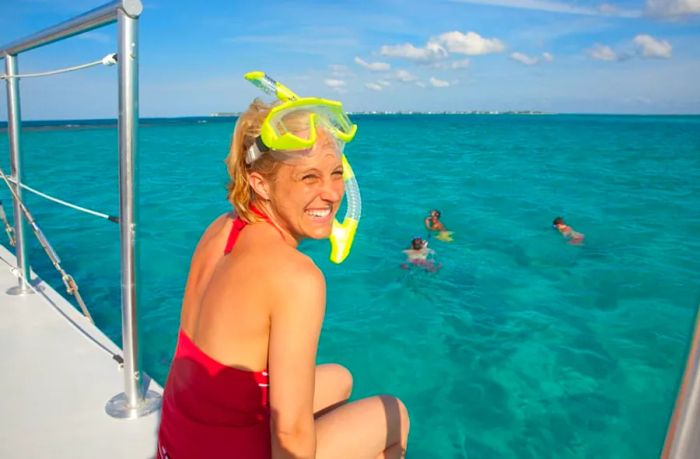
(520, 346)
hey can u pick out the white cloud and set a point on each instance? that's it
(531, 60)
(431, 51)
(602, 53)
(373, 66)
(439, 48)
(337, 85)
(524, 58)
(339, 71)
(648, 46)
(421, 84)
(463, 64)
(405, 76)
(452, 65)
(471, 43)
(560, 7)
(384, 83)
(438, 83)
(374, 86)
(672, 8)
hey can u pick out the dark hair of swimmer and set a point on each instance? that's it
(558, 221)
(417, 243)
(435, 212)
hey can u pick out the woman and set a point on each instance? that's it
(244, 381)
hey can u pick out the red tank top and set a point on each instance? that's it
(210, 409)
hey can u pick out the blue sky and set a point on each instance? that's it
(620, 56)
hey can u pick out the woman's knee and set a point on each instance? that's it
(342, 379)
(397, 415)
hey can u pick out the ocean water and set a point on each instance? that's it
(520, 346)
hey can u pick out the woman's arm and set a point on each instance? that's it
(296, 320)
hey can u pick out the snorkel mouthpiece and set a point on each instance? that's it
(342, 234)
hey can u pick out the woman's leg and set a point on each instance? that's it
(371, 428)
(332, 388)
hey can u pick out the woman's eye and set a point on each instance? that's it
(309, 177)
(337, 173)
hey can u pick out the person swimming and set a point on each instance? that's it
(417, 255)
(432, 223)
(573, 237)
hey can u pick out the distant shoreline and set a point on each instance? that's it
(230, 117)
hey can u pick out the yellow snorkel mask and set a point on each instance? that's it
(275, 134)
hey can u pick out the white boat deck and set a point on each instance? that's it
(56, 376)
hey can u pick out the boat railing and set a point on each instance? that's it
(683, 435)
(136, 400)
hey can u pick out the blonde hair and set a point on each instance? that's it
(247, 129)
(240, 193)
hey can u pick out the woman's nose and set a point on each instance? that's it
(332, 190)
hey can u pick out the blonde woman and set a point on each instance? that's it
(244, 381)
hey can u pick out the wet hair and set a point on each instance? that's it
(417, 243)
(558, 221)
(436, 212)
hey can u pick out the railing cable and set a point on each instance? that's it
(109, 59)
(68, 281)
(111, 218)
(8, 228)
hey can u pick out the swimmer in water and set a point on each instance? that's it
(417, 255)
(432, 223)
(568, 232)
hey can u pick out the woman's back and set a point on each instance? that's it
(224, 310)
(217, 390)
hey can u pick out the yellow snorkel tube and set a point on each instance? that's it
(340, 126)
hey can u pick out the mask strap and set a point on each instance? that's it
(255, 151)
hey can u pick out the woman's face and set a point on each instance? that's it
(307, 191)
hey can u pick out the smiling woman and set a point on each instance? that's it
(244, 379)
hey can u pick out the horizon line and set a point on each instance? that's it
(382, 112)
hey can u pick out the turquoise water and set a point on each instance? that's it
(521, 346)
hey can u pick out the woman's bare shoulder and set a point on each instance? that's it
(217, 226)
(219, 222)
(292, 264)
(290, 272)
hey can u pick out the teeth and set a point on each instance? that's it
(319, 213)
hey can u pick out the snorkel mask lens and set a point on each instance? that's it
(293, 125)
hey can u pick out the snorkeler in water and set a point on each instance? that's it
(417, 255)
(573, 237)
(432, 223)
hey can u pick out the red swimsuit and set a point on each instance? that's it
(212, 410)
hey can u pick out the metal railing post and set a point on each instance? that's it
(136, 400)
(14, 118)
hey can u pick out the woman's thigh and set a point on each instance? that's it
(362, 429)
(332, 387)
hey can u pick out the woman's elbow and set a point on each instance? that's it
(293, 439)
